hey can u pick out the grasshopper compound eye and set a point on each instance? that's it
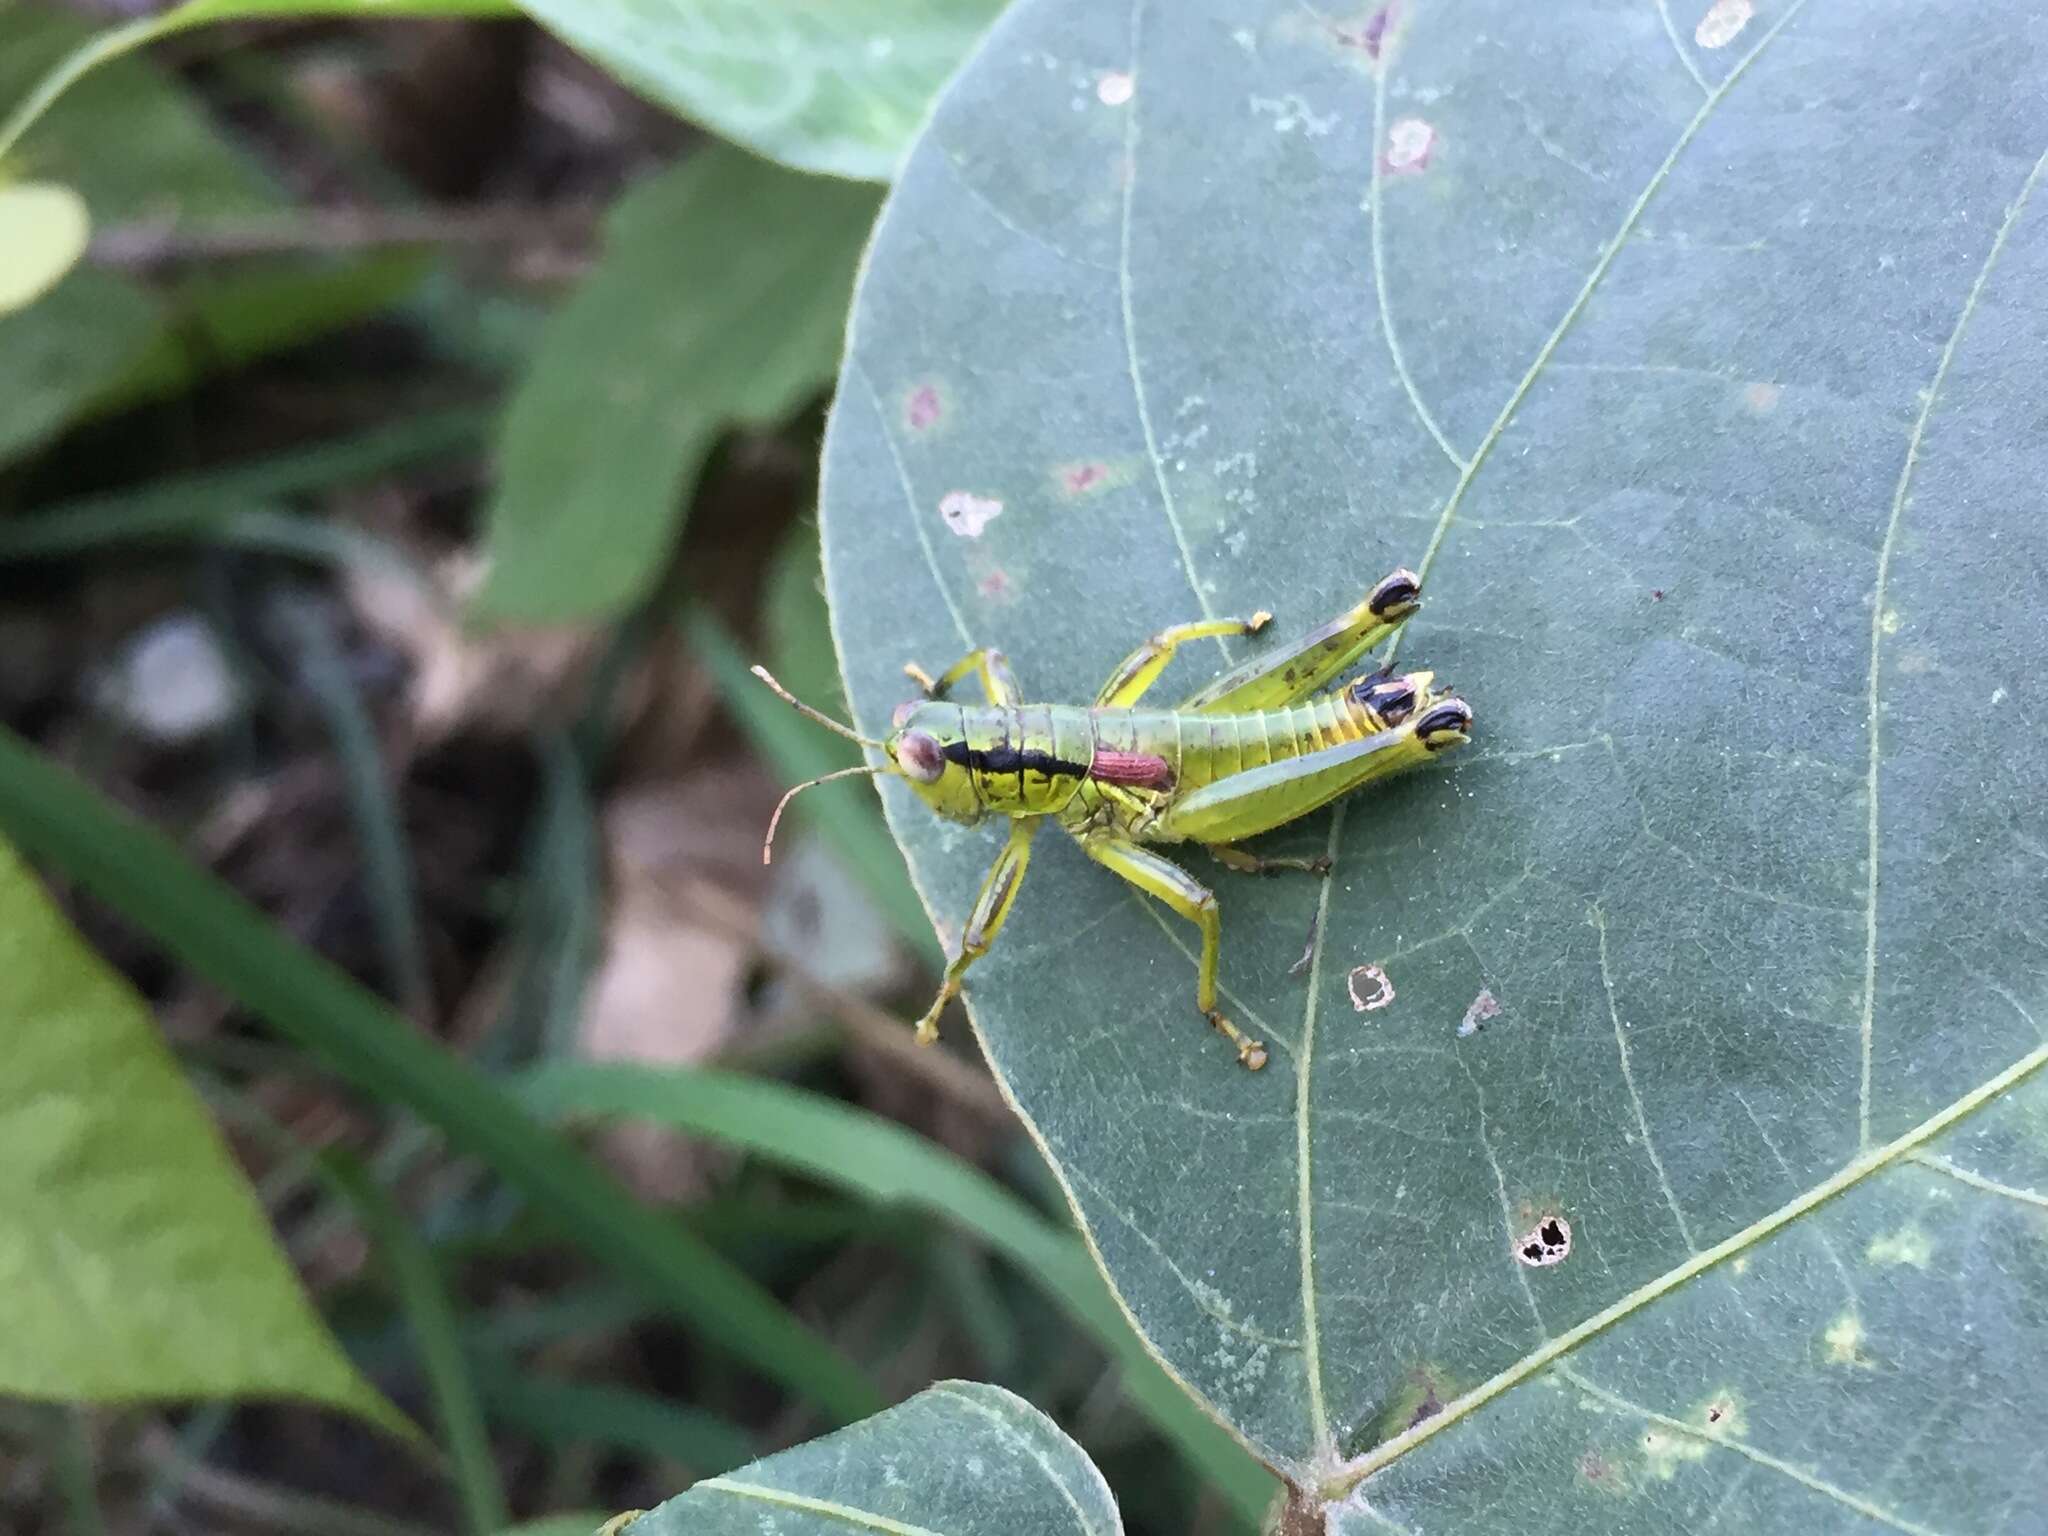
(1396, 596)
(920, 757)
(1447, 724)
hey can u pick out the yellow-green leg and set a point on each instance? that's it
(1292, 673)
(998, 895)
(998, 683)
(1192, 900)
(1141, 669)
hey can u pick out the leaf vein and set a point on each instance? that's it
(1123, 283)
(1863, 1506)
(1850, 1174)
(1884, 565)
(931, 557)
(1593, 278)
(1628, 1077)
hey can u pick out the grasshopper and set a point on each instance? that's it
(1265, 744)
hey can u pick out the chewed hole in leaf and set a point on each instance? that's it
(1370, 988)
(1548, 1242)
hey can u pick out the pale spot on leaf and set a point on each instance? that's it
(1724, 20)
(1908, 1245)
(1115, 88)
(1410, 143)
(1844, 1341)
(967, 514)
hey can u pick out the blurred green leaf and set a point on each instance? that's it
(851, 1149)
(136, 1263)
(959, 1459)
(140, 152)
(720, 302)
(44, 227)
(560, 1525)
(837, 88)
(223, 938)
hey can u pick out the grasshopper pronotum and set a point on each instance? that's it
(1260, 746)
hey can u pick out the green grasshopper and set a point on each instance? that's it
(1263, 745)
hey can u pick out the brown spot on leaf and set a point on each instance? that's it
(1485, 1006)
(922, 407)
(995, 586)
(1083, 476)
(1369, 36)
(1762, 396)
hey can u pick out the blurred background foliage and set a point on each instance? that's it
(423, 1112)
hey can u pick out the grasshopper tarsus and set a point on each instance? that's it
(1251, 1054)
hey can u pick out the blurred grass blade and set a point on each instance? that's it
(380, 835)
(183, 507)
(847, 815)
(567, 1413)
(436, 1332)
(849, 1149)
(221, 937)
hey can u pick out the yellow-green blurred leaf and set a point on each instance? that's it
(135, 1261)
(44, 227)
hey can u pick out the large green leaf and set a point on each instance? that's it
(135, 1261)
(720, 302)
(1698, 362)
(836, 88)
(959, 1459)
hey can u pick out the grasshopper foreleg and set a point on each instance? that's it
(1192, 900)
(998, 683)
(998, 895)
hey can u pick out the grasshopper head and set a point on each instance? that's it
(927, 748)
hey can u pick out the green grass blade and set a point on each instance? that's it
(221, 937)
(850, 1149)
(177, 508)
(387, 861)
(578, 1413)
(437, 1333)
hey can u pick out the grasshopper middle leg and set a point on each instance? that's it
(1192, 900)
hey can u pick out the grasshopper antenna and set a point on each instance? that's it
(768, 843)
(809, 713)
